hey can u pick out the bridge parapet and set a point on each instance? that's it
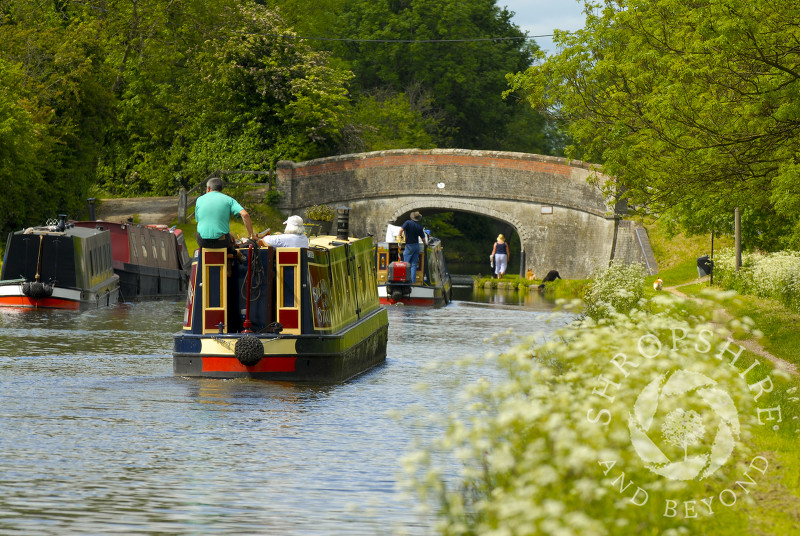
(563, 219)
(522, 177)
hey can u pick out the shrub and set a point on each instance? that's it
(617, 288)
(319, 213)
(272, 197)
(767, 275)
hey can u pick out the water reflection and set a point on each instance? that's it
(530, 299)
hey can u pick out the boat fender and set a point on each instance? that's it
(249, 350)
(36, 290)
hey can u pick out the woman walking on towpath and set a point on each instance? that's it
(501, 254)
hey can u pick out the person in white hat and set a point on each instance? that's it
(294, 236)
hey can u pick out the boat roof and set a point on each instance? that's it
(81, 232)
(329, 241)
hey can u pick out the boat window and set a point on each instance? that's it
(91, 261)
(288, 286)
(133, 244)
(144, 247)
(153, 245)
(163, 250)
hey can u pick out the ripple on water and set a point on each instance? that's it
(98, 436)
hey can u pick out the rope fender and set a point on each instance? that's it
(36, 290)
(249, 350)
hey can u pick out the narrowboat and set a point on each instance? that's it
(152, 261)
(296, 314)
(58, 266)
(432, 285)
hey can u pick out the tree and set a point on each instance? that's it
(58, 105)
(20, 143)
(465, 79)
(382, 120)
(266, 88)
(691, 105)
(682, 429)
(211, 85)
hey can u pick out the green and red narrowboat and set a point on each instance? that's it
(295, 314)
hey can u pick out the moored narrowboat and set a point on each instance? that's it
(296, 314)
(432, 285)
(151, 260)
(58, 266)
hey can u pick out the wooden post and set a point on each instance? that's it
(737, 231)
(711, 279)
(182, 206)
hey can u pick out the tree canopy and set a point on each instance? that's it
(691, 104)
(428, 43)
(141, 97)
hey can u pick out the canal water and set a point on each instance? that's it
(97, 436)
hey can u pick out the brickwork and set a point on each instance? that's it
(556, 206)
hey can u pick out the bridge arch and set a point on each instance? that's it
(445, 205)
(562, 217)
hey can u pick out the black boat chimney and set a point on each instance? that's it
(342, 223)
(92, 214)
(62, 222)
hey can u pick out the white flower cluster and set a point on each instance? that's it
(615, 289)
(546, 447)
(768, 275)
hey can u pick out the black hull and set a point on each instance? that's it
(139, 282)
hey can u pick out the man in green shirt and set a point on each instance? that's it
(213, 212)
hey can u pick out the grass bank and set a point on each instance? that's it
(775, 508)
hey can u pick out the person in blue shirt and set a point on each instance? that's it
(213, 212)
(413, 232)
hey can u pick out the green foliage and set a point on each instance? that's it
(56, 107)
(692, 106)
(320, 213)
(381, 120)
(526, 449)
(615, 289)
(21, 141)
(463, 79)
(773, 275)
(240, 92)
(442, 225)
(273, 197)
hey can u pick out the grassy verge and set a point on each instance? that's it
(775, 508)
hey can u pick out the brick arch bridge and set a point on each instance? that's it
(563, 220)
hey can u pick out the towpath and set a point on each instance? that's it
(721, 316)
(145, 210)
